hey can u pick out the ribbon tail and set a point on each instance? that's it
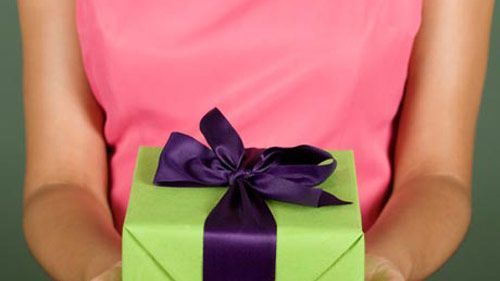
(239, 238)
(327, 199)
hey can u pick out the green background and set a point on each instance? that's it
(477, 259)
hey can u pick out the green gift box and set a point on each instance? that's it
(163, 230)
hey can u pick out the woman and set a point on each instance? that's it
(118, 74)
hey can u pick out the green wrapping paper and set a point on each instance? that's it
(163, 230)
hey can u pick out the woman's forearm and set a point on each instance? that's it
(421, 226)
(70, 232)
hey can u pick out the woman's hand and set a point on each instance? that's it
(112, 274)
(376, 269)
(381, 269)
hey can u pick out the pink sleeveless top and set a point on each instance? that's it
(284, 72)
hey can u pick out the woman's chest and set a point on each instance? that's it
(146, 56)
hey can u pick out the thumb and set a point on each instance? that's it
(114, 273)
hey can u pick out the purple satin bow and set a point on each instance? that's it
(239, 240)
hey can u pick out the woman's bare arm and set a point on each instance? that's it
(429, 211)
(67, 221)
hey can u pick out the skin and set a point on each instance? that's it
(67, 219)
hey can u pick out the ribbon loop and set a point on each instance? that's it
(184, 161)
(222, 138)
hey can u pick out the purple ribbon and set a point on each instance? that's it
(239, 240)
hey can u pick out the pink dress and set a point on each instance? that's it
(284, 72)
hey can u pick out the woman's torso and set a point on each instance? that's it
(327, 73)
